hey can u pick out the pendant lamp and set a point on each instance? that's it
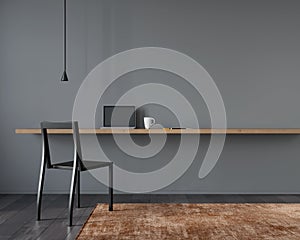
(64, 77)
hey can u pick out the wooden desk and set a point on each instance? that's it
(207, 131)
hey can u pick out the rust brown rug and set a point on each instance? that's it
(194, 221)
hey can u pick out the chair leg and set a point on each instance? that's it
(40, 190)
(111, 187)
(78, 189)
(72, 193)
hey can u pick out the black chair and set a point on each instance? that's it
(77, 165)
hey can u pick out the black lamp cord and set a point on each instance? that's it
(65, 35)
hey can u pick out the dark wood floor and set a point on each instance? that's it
(18, 212)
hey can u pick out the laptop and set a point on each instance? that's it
(119, 116)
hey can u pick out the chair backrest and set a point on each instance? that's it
(60, 125)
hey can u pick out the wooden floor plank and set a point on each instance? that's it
(6, 200)
(51, 207)
(138, 198)
(289, 198)
(271, 198)
(216, 198)
(178, 198)
(196, 198)
(59, 228)
(158, 198)
(16, 214)
(233, 198)
(253, 198)
(14, 207)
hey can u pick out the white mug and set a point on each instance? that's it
(149, 122)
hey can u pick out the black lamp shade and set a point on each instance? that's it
(64, 77)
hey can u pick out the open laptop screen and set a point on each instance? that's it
(119, 116)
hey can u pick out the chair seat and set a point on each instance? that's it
(87, 165)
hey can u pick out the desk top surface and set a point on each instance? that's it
(166, 131)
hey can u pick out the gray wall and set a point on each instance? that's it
(250, 48)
